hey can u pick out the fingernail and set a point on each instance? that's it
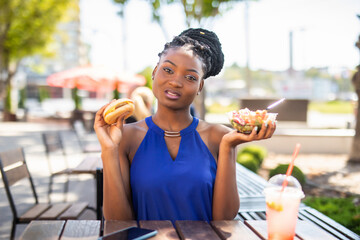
(256, 128)
(266, 124)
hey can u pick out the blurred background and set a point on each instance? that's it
(60, 61)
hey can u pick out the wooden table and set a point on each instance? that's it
(235, 229)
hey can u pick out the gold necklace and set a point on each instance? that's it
(171, 134)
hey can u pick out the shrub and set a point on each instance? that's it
(249, 161)
(342, 210)
(258, 152)
(282, 168)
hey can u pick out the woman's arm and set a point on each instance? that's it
(116, 184)
(226, 200)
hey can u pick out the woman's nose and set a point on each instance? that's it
(175, 82)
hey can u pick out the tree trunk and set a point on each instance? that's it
(355, 151)
(9, 117)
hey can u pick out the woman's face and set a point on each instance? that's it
(178, 77)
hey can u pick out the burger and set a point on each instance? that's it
(117, 108)
(245, 120)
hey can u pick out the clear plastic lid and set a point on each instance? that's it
(292, 186)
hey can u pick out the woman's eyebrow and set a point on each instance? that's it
(190, 70)
(170, 62)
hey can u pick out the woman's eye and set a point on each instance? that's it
(192, 78)
(168, 70)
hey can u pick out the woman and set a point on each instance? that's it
(172, 166)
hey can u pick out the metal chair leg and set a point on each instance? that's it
(13, 229)
(66, 188)
(50, 188)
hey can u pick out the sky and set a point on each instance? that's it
(324, 33)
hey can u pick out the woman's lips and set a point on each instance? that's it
(172, 94)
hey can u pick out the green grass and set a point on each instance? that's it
(332, 107)
(218, 108)
(341, 210)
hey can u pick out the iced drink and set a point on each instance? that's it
(282, 207)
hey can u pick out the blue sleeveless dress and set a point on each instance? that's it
(167, 189)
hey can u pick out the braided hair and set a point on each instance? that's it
(205, 44)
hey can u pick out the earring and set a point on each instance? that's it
(198, 93)
(152, 77)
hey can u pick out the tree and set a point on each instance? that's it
(26, 29)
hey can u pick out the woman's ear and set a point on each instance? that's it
(153, 72)
(201, 85)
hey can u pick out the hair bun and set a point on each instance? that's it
(205, 44)
(209, 40)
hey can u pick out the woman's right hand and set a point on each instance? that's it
(109, 136)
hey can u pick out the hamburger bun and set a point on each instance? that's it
(117, 108)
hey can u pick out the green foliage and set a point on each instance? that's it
(43, 94)
(22, 98)
(147, 73)
(8, 98)
(77, 98)
(116, 94)
(345, 107)
(196, 11)
(341, 210)
(257, 151)
(249, 161)
(282, 168)
(218, 108)
(32, 24)
(26, 28)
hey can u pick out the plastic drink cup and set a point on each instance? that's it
(282, 207)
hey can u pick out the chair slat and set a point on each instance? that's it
(165, 229)
(15, 174)
(112, 226)
(74, 211)
(81, 229)
(52, 141)
(54, 211)
(309, 231)
(43, 230)
(12, 156)
(195, 230)
(232, 229)
(34, 212)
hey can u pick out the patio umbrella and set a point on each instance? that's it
(95, 78)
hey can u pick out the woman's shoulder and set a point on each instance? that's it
(133, 134)
(135, 127)
(212, 132)
(214, 128)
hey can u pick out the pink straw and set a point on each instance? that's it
(291, 166)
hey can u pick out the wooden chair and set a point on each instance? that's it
(87, 141)
(13, 169)
(53, 144)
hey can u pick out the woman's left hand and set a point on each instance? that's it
(234, 137)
